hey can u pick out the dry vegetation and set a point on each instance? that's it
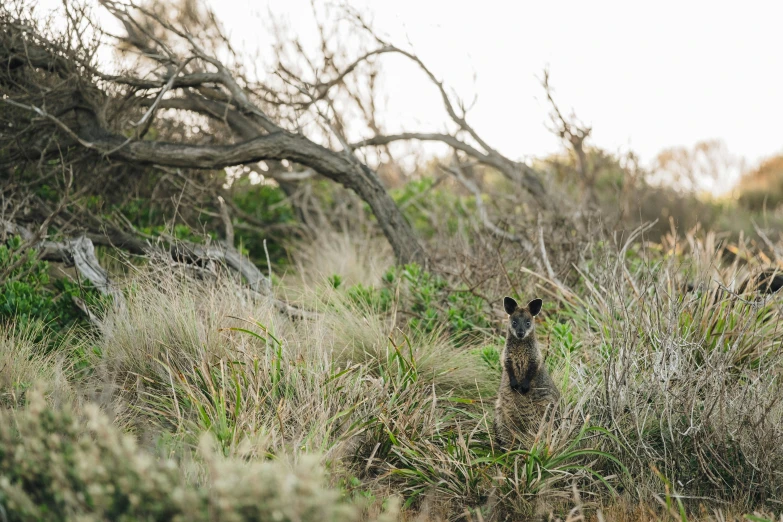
(670, 399)
(210, 374)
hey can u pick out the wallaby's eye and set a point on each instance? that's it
(528, 324)
(514, 323)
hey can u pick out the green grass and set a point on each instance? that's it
(209, 387)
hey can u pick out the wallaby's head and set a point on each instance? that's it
(520, 320)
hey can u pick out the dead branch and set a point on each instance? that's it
(84, 123)
(574, 134)
(458, 174)
(514, 170)
(78, 252)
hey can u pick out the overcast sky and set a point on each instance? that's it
(645, 75)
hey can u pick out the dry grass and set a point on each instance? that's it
(691, 383)
(357, 256)
(670, 399)
(25, 361)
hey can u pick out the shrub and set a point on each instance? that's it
(763, 187)
(431, 304)
(430, 209)
(28, 295)
(268, 205)
(55, 465)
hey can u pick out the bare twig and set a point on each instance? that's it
(542, 248)
(526, 245)
(229, 227)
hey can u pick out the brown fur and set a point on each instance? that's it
(526, 389)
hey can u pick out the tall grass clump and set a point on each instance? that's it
(187, 358)
(688, 382)
(354, 254)
(27, 359)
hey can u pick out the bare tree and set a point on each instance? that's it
(574, 134)
(59, 99)
(707, 163)
(322, 79)
(301, 120)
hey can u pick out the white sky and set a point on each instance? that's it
(645, 75)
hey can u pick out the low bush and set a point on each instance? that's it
(28, 295)
(430, 303)
(267, 205)
(431, 209)
(56, 465)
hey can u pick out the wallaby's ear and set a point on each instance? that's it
(510, 305)
(535, 306)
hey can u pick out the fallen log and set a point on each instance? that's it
(79, 252)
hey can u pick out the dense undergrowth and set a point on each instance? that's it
(28, 295)
(193, 398)
(197, 400)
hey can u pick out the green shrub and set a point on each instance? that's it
(430, 209)
(433, 305)
(56, 466)
(28, 295)
(490, 355)
(268, 205)
(380, 299)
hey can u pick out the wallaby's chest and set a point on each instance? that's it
(524, 381)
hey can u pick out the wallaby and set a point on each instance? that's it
(526, 389)
(768, 281)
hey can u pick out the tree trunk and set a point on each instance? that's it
(339, 167)
(396, 229)
(263, 139)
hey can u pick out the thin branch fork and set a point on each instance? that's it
(513, 170)
(526, 245)
(575, 134)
